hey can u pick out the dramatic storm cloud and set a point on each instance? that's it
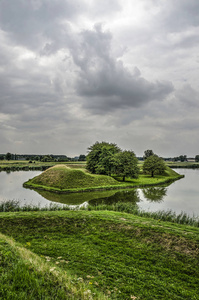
(74, 72)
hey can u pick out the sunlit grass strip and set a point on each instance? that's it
(73, 287)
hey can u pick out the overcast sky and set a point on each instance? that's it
(73, 72)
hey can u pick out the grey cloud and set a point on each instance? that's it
(104, 7)
(105, 82)
(188, 97)
(31, 23)
(177, 15)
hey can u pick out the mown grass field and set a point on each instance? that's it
(84, 253)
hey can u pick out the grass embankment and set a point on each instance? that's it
(61, 178)
(82, 253)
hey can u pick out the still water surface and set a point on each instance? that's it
(181, 195)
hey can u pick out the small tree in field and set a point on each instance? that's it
(154, 165)
(126, 164)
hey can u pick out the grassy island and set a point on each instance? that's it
(63, 179)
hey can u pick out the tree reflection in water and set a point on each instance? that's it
(130, 196)
(155, 194)
(152, 194)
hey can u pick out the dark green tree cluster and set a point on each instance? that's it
(154, 165)
(48, 158)
(197, 158)
(82, 157)
(107, 158)
(126, 164)
(147, 153)
(100, 159)
(181, 158)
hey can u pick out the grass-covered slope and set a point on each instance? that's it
(119, 255)
(26, 275)
(63, 178)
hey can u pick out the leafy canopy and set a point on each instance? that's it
(126, 164)
(197, 158)
(107, 158)
(154, 165)
(147, 153)
(100, 159)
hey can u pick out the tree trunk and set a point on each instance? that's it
(123, 178)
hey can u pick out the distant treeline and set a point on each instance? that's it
(43, 158)
(81, 157)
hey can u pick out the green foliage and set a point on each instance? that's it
(100, 159)
(197, 158)
(181, 158)
(126, 164)
(147, 153)
(82, 157)
(47, 158)
(154, 165)
(8, 156)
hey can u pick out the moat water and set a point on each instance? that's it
(180, 196)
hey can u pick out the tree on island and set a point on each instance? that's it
(107, 158)
(100, 159)
(154, 165)
(126, 164)
(147, 153)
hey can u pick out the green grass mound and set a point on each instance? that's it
(61, 177)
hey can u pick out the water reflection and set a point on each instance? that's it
(93, 198)
(151, 194)
(131, 196)
(181, 195)
(75, 198)
(155, 194)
